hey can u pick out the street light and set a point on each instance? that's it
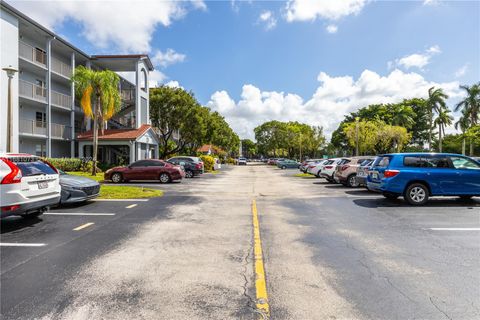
(10, 74)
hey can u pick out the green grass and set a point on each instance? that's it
(304, 175)
(98, 177)
(124, 192)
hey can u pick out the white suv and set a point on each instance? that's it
(28, 185)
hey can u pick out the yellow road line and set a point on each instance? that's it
(83, 226)
(260, 281)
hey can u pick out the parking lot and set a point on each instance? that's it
(329, 252)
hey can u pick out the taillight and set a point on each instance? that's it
(343, 168)
(15, 175)
(50, 165)
(329, 167)
(198, 166)
(10, 208)
(311, 166)
(390, 173)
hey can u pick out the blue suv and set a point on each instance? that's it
(417, 176)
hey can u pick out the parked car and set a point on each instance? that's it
(242, 161)
(346, 173)
(418, 176)
(328, 170)
(316, 167)
(197, 167)
(192, 166)
(308, 162)
(28, 185)
(150, 169)
(288, 163)
(362, 172)
(77, 189)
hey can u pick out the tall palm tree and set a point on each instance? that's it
(435, 102)
(100, 89)
(443, 119)
(403, 115)
(470, 106)
(464, 124)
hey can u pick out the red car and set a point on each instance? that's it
(150, 169)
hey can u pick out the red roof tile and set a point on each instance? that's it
(116, 134)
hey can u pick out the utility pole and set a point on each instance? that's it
(357, 119)
(10, 74)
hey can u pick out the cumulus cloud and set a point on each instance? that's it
(460, 72)
(268, 19)
(126, 25)
(416, 60)
(169, 57)
(331, 28)
(334, 97)
(173, 84)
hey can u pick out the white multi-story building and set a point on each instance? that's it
(47, 119)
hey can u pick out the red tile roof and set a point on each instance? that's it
(209, 147)
(116, 134)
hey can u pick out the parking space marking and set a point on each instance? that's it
(260, 279)
(15, 244)
(131, 206)
(121, 200)
(78, 214)
(453, 229)
(83, 226)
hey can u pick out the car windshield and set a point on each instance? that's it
(382, 162)
(33, 168)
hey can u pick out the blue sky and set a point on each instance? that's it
(310, 61)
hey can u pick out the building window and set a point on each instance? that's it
(40, 89)
(143, 80)
(40, 119)
(40, 150)
(40, 55)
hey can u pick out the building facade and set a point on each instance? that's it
(47, 119)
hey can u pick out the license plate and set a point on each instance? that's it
(42, 185)
(361, 174)
(374, 175)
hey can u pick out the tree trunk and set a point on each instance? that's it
(95, 136)
(471, 147)
(439, 138)
(463, 145)
(430, 131)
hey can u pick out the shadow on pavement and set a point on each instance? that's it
(435, 202)
(362, 192)
(12, 224)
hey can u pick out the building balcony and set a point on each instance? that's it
(61, 100)
(39, 129)
(32, 54)
(127, 94)
(60, 131)
(38, 93)
(61, 68)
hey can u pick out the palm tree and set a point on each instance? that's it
(403, 115)
(100, 89)
(470, 106)
(463, 123)
(443, 119)
(435, 102)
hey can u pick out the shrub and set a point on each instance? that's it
(72, 164)
(230, 160)
(208, 162)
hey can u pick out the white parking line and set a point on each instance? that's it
(130, 200)
(131, 206)
(78, 214)
(14, 244)
(453, 229)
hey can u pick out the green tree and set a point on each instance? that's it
(249, 148)
(443, 119)
(470, 107)
(99, 98)
(435, 102)
(367, 135)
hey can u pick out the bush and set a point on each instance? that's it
(72, 164)
(231, 161)
(208, 162)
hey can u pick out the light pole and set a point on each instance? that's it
(357, 119)
(10, 74)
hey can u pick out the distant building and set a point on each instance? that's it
(47, 119)
(209, 149)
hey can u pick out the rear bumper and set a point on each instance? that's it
(361, 180)
(32, 207)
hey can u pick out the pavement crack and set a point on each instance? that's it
(251, 304)
(438, 308)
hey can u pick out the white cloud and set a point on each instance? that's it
(335, 97)
(169, 57)
(331, 28)
(173, 84)
(430, 2)
(156, 78)
(460, 72)
(416, 60)
(268, 19)
(307, 10)
(126, 25)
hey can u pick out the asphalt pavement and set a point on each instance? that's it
(329, 252)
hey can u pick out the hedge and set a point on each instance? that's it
(71, 164)
(208, 162)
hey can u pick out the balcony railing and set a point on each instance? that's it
(33, 127)
(33, 91)
(32, 54)
(61, 131)
(61, 68)
(127, 94)
(61, 100)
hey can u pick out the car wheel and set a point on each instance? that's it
(189, 174)
(283, 167)
(352, 181)
(390, 196)
(117, 177)
(164, 178)
(416, 194)
(465, 198)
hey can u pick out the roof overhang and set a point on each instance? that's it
(120, 63)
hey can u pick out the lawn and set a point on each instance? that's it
(304, 175)
(119, 192)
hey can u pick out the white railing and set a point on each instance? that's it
(61, 100)
(61, 131)
(61, 68)
(127, 94)
(32, 91)
(33, 127)
(32, 54)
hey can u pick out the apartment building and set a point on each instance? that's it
(46, 116)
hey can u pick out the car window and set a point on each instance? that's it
(141, 163)
(33, 168)
(153, 163)
(426, 162)
(464, 163)
(382, 162)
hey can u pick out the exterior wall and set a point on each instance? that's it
(141, 78)
(8, 56)
(29, 145)
(60, 149)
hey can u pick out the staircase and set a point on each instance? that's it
(115, 124)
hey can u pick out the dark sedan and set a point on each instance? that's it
(77, 189)
(146, 170)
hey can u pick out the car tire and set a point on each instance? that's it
(164, 178)
(283, 167)
(466, 198)
(390, 196)
(352, 181)
(189, 174)
(116, 177)
(416, 194)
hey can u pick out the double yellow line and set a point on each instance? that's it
(260, 280)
